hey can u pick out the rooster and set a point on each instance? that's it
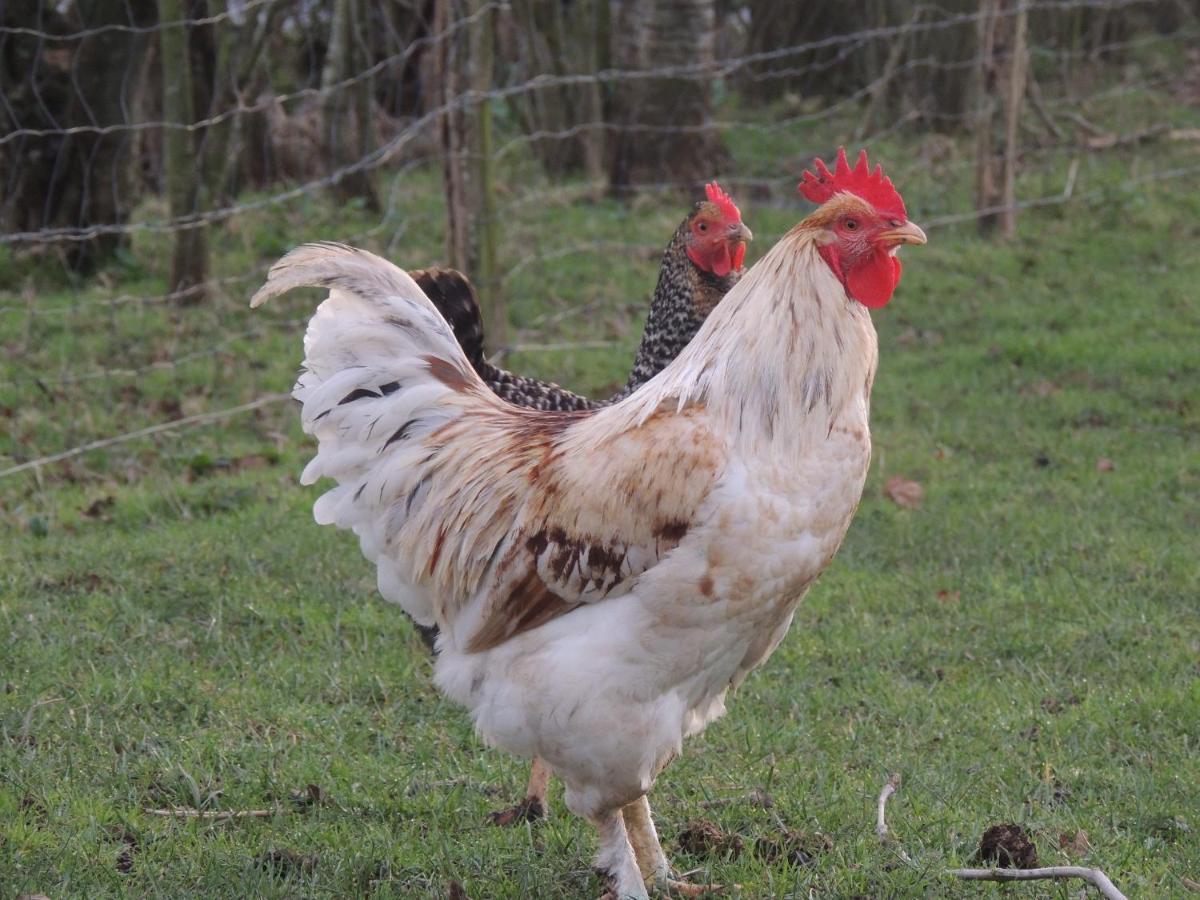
(700, 264)
(603, 578)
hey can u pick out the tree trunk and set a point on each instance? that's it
(181, 163)
(347, 109)
(562, 39)
(665, 131)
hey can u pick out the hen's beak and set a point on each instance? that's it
(740, 232)
(908, 233)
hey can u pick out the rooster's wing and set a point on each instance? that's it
(482, 517)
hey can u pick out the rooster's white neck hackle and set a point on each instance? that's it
(779, 359)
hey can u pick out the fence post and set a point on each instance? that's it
(482, 37)
(181, 171)
(1003, 64)
(1014, 95)
(451, 135)
(347, 105)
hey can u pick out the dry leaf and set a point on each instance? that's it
(903, 492)
(949, 596)
(1104, 464)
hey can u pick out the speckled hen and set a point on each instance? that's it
(603, 578)
(699, 266)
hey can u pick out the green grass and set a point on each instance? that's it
(1025, 646)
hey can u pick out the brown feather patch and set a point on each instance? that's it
(529, 604)
(447, 373)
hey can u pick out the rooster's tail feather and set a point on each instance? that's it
(380, 366)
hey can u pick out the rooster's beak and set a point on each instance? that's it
(908, 233)
(740, 232)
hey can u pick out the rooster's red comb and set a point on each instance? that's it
(724, 202)
(874, 187)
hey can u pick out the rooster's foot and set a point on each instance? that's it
(673, 887)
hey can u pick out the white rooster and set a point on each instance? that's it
(602, 578)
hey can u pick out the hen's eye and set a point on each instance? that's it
(851, 224)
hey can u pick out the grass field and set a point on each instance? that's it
(1023, 647)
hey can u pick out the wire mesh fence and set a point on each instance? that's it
(156, 157)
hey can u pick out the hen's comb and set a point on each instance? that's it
(724, 202)
(874, 187)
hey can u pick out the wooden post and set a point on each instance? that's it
(1014, 95)
(482, 39)
(999, 85)
(345, 105)
(451, 136)
(595, 18)
(181, 172)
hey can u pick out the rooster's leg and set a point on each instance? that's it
(644, 837)
(649, 852)
(533, 807)
(615, 860)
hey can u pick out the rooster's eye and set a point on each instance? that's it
(703, 226)
(851, 224)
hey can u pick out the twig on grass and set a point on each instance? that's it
(212, 815)
(1094, 877)
(1072, 172)
(881, 828)
(893, 785)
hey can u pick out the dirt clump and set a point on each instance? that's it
(800, 848)
(1007, 847)
(702, 838)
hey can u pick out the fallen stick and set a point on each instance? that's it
(881, 828)
(1094, 877)
(893, 785)
(212, 815)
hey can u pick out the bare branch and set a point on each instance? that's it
(893, 785)
(212, 815)
(1094, 877)
(1039, 107)
(1083, 123)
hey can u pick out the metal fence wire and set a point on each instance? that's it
(156, 156)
